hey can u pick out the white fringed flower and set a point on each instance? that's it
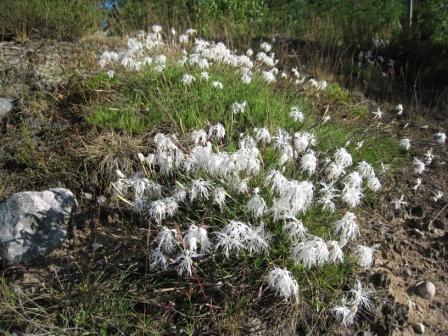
(286, 154)
(199, 137)
(276, 180)
(239, 107)
(419, 166)
(217, 132)
(187, 79)
(352, 196)
(343, 158)
(185, 263)
(219, 196)
(346, 314)
(373, 184)
(197, 235)
(296, 114)
(157, 211)
(302, 140)
(237, 236)
(282, 282)
(200, 189)
(266, 47)
(328, 193)
(399, 202)
(364, 255)
(294, 198)
(399, 109)
(256, 205)
(268, 76)
(311, 252)
(158, 259)
(262, 135)
(429, 156)
(166, 240)
(308, 162)
(378, 114)
(205, 76)
(418, 182)
(440, 138)
(365, 169)
(333, 171)
(353, 180)
(347, 228)
(335, 252)
(437, 195)
(405, 143)
(217, 84)
(294, 228)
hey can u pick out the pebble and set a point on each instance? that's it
(426, 290)
(419, 328)
(5, 106)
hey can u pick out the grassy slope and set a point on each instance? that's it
(153, 301)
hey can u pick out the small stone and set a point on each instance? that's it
(5, 106)
(419, 328)
(426, 290)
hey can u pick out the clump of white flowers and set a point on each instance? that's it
(203, 198)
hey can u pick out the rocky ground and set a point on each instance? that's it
(40, 136)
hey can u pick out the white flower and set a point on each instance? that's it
(286, 154)
(294, 197)
(191, 31)
(399, 202)
(352, 196)
(333, 171)
(157, 211)
(343, 158)
(308, 162)
(296, 114)
(262, 135)
(418, 182)
(294, 228)
(217, 84)
(399, 109)
(276, 180)
(265, 46)
(378, 114)
(256, 205)
(353, 180)
(237, 236)
(346, 314)
(217, 132)
(156, 29)
(405, 143)
(440, 138)
(185, 263)
(249, 52)
(188, 79)
(347, 227)
(419, 166)
(429, 156)
(365, 169)
(336, 255)
(205, 76)
(302, 141)
(282, 281)
(364, 255)
(199, 137)
(219, 196)
(158, 259)
(373, 184)
(197, 235)
(166, 240)
(312, 252)
(437, 195)
(110, 73)
(183, 38)
(268, 76)
(200, 188)
(239, 107)
(328, 193)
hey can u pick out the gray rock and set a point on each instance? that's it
(5, 106)
(33, 223)
(426, 290)
(419, 328)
